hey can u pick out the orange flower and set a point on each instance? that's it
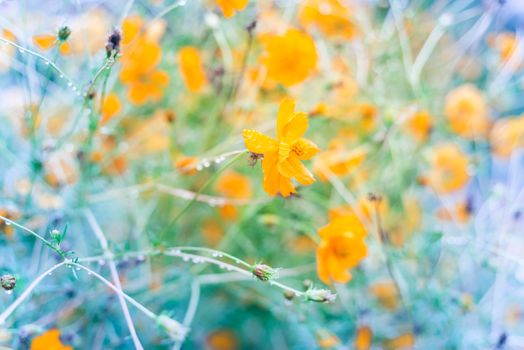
(110, 107)
(402, 342)
(192, 69)
(289, 58)
(337, 161)
(505, 43)
(49, 340)
(331, 17)
(212, 232)
(386, 293)
(186, 165)
(230, 7)
(47, 41)
(507, 135)
(461, 212)
(363, 338)
(467, 112)
(233, 185)
(342, 247)
(222, 339)
(282, 156)
(419, 125)
(7, 229)
(449, 170)
(140, 57)
(327, 340)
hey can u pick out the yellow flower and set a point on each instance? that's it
(282, 156)
(233, 185)
(449, 171)
(505, 43)
(47, 41)
(192, 69)
(342, 247)
(331, 17)
(230, 7)
(507, 135)
(363, 338)
(141, 55)
(386, 294)
(289, 58)
(110, 107)
(49, 340)
(467, 112)
(419, 125)
(337, 160)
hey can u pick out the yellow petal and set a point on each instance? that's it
(305, 149)
(285, 113)
(271, 176)
(292, 167)
(283, 151)
(131, 26)
(44, 41)
(65, 49)
(296, 127)
(257, 142)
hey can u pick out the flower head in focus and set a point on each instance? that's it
(282, 156)
(342, 247)
(289, 58)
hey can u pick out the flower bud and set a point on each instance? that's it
(64, 33)
(289, 295)
(263, 272)
(320, 295)
(8, 282)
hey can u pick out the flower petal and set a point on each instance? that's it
(296, 127)
(305, 149)
(44, 41)
(292, 167)
(257, 142)
(285, 113)
(271, 176)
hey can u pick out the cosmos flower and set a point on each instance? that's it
(283, 155)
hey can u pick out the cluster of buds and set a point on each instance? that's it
(264, 272)
(174, 329)
(320, 295)
(8, 282)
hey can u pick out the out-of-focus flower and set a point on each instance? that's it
(233, 185)
(282, 156)
(141, 55)
(212, 232)
(402, 342)
(230, 7)
(186, 165)
(326, 339)
(222, 339)
(460, 212)
(89, 31)
(60, 169)
(192, 69)
(10, 214)
(449, 169)
(47, 41)
(507, 135)
(419, 125)
(289, 58)
(49, 340)
(150, 135)
(342, 247)
(337, 160)
(467, 112)
(110, 107)
(386, 294)
(505, 44)
(363, 338)
(7, 52)
(331, 17)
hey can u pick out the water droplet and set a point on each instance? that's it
(69, 84)
(46, 63)
(7, 223)
(61, 75)
(101, 262)
(177, 251)
(89, 273)
(207, 164)
(199, 167)
(77, 269)
(50, 273)
(21, 50)
(237, 261)
(185, 258)
(215, 255)
(9, 292)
